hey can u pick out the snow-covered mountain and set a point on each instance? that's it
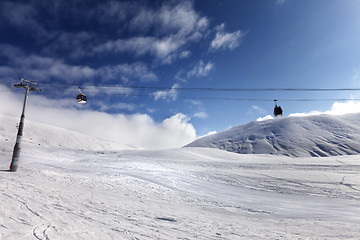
(320, 135)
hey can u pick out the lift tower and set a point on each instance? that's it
(29, 86)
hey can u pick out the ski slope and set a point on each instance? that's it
(315, 136)
(189, 193)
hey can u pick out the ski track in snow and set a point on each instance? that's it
(189, 193)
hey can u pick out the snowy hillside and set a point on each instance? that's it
(321, 135)
(63, 192)
(50, 136)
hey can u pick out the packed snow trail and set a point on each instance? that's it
(189, 193)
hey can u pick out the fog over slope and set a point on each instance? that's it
(50, 136)
(317, 136)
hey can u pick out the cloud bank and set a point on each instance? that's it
(44, 68)
(338, 108)
(267, 117)
(135, 130)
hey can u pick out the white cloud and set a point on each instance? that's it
(201, 115)
(165, 49)
(172, 26)
(179, 128)
(201, 69)
(138, 45)
(211, 133)
(167, 94)
(179, 19)
(185, 54)
(138, 130)
(117, 106)
(338, 108)
(268, 117)
(127, 72)
(181, 76)
(44, 68)
(150, 110)
(257, 109)
(225, 40)
(345, 107)
(195, 102)
(162, 32)
(208, 134)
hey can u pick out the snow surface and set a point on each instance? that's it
(63, 192)
(320, 135)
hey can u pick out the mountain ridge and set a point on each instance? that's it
(316, 136)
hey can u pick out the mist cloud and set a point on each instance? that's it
(135, 130)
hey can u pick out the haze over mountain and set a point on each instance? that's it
(316, 136)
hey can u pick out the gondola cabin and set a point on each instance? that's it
(81, 98)
(277, 110)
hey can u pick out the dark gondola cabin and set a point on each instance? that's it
(277, 110)
(81, 98)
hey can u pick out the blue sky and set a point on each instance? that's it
(108, 47)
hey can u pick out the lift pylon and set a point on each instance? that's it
(29, 86)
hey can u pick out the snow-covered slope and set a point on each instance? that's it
(60, 192)
(50, 136)
(321, 135)
(188, 193)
